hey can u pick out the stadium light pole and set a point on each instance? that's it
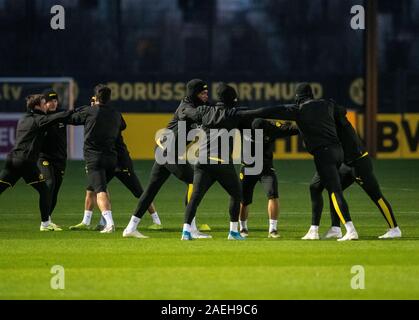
(371, 79)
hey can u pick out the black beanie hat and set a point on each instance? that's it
(303, 91)
(226, 94)
(50, 95)
(194, 87)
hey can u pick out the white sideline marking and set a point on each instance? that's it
(207, 212)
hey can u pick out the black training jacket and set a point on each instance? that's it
(315, 120)
(55, 147)
(272, 130)
(102, 126)
(30, 133)
(352, 145)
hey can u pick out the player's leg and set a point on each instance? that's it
(158, 176)
(129, 179)
(47, 170)
(185, 173)
(203, 180)
(8, 176)
(365, 177)
(98, 174)
(58, 181)
(270, 185)
(328, 161)
(89, 205)
(90, 202)
(34, 178)
(227, 177)
(316, 190)
(248, 183)
(347, 179)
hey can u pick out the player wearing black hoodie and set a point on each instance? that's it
(214, 163)
(316, 121)
(102, 126)
(22, 160)
(272, 130)
(53, 157)
(357, 168)
(196, 95)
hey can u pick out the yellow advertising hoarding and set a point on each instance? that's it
(398, 136)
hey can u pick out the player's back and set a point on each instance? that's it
(316, 122)
(102, 127)
(352, 145)
(27, 134)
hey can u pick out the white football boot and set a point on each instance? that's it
(351, 235)
(333, 232)
(108, 229)
(133, 234)
(312, 234)
(392, 233)
(199, 235)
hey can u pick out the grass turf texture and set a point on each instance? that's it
(107, 266)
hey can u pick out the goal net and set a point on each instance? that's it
(13, 91)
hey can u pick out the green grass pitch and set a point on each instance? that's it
(108, 266)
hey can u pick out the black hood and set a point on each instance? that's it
(193, 88)
(227, 95)
(303, 92)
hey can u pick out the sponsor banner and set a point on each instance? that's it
(8, 124)
(162, 93)
(398, 136)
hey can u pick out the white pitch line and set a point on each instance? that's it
(210, 213)
(385, 188)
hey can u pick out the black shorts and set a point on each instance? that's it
(126, 174)
(268, 180)
(99, 173)
(15, 169)
(46, 166)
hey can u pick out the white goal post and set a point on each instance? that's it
(13, 91)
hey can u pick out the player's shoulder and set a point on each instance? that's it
(27, 118)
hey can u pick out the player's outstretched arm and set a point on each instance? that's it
(194, 114)
(50, 119)
(275, 129)
(284, 112)
(79, 116)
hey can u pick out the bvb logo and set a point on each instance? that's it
(356, 91)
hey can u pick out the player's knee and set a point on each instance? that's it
(315, 188)
(4, 186)
(137, 193)
(246, 202)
